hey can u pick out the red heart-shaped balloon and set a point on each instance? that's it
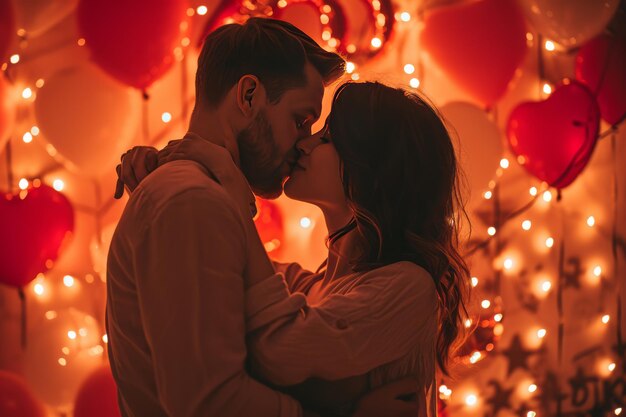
(34, 225)
(601, 64)
(479, 45)
(555, 138)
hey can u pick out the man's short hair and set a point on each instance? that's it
(273, 50)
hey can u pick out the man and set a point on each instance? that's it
(178, 280)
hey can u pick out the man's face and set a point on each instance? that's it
(267, 147)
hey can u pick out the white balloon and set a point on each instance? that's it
(99, 249)
(569, 22)
(61, 352)
(89, 118)
(37, 16)
(479, 145)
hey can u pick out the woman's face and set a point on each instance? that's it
(316, 177)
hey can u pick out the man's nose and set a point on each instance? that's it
(307, 144)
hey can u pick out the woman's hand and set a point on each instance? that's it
(385, 402)
(135, 165)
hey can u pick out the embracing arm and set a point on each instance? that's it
(191, 294)
(345, 334)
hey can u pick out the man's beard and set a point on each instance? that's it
(260, 158)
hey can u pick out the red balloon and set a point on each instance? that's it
(134, 41)
(601, 64)
(34, 225)
(479, 45)
(555, 138)
(7, 27)
(97, 396)
(269, 224)
(16, 398)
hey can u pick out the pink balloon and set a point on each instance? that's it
(556, 137)
(134, 41)
(33, 230)
(7, 112)
(97, 396)
(601, 64)
(479, 45)
(7, 27)
(16, 398)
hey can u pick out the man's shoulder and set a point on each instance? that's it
(176, 181)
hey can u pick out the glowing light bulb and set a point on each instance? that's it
(547, 88)
(38, 289)
(485, 304)
(526, 224)
(15, 58)
(166, 117)
(532, 388)
(547, 196)
(549, 45)
(105, 338)
(81, 42)
(471, 400)
(498, 317)
(468, 323)
(71, 334)
(23, 184)
(611, 367)
(51, 314)
(508, 264)
(549, 242)
(27, 93)
(350, 67)
(591, 221)
(488, 195)
(545, 286)
(27, 138)
(305, 222)
(326, 8)
(606, 318)
(533, 191)
(355, 76)
(618, 411)
(82, 331)
(474, 281)
(34, 130)
(40, 83)
(376, 43)
(409, 69)
(491, 231)
(58, 184)
(405, 16)
(414, 82)
(202, 10)
(475, 357)
(62, 361)
(504, 163)
(597, 270)
(531, 414)
(68, 280)
(324, 19)
(541, 333)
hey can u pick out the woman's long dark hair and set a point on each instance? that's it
(401, 178)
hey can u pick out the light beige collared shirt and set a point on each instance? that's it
(179, 309)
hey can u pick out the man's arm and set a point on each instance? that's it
(189, 269)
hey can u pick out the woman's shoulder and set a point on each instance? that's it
(408, 278)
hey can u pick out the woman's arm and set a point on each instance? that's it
(345, 334)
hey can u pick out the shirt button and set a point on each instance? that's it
(341, 324)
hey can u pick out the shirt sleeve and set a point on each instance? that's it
(296, 277)
(344, 335)
(189, 266)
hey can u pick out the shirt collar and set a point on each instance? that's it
(228, 174)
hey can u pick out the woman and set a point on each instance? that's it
(389, 301)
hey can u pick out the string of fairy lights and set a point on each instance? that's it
(490, 313)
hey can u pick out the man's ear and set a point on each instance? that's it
(248, 94)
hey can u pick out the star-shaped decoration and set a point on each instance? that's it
(500, 399)
(550, 396)
(517, 355)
